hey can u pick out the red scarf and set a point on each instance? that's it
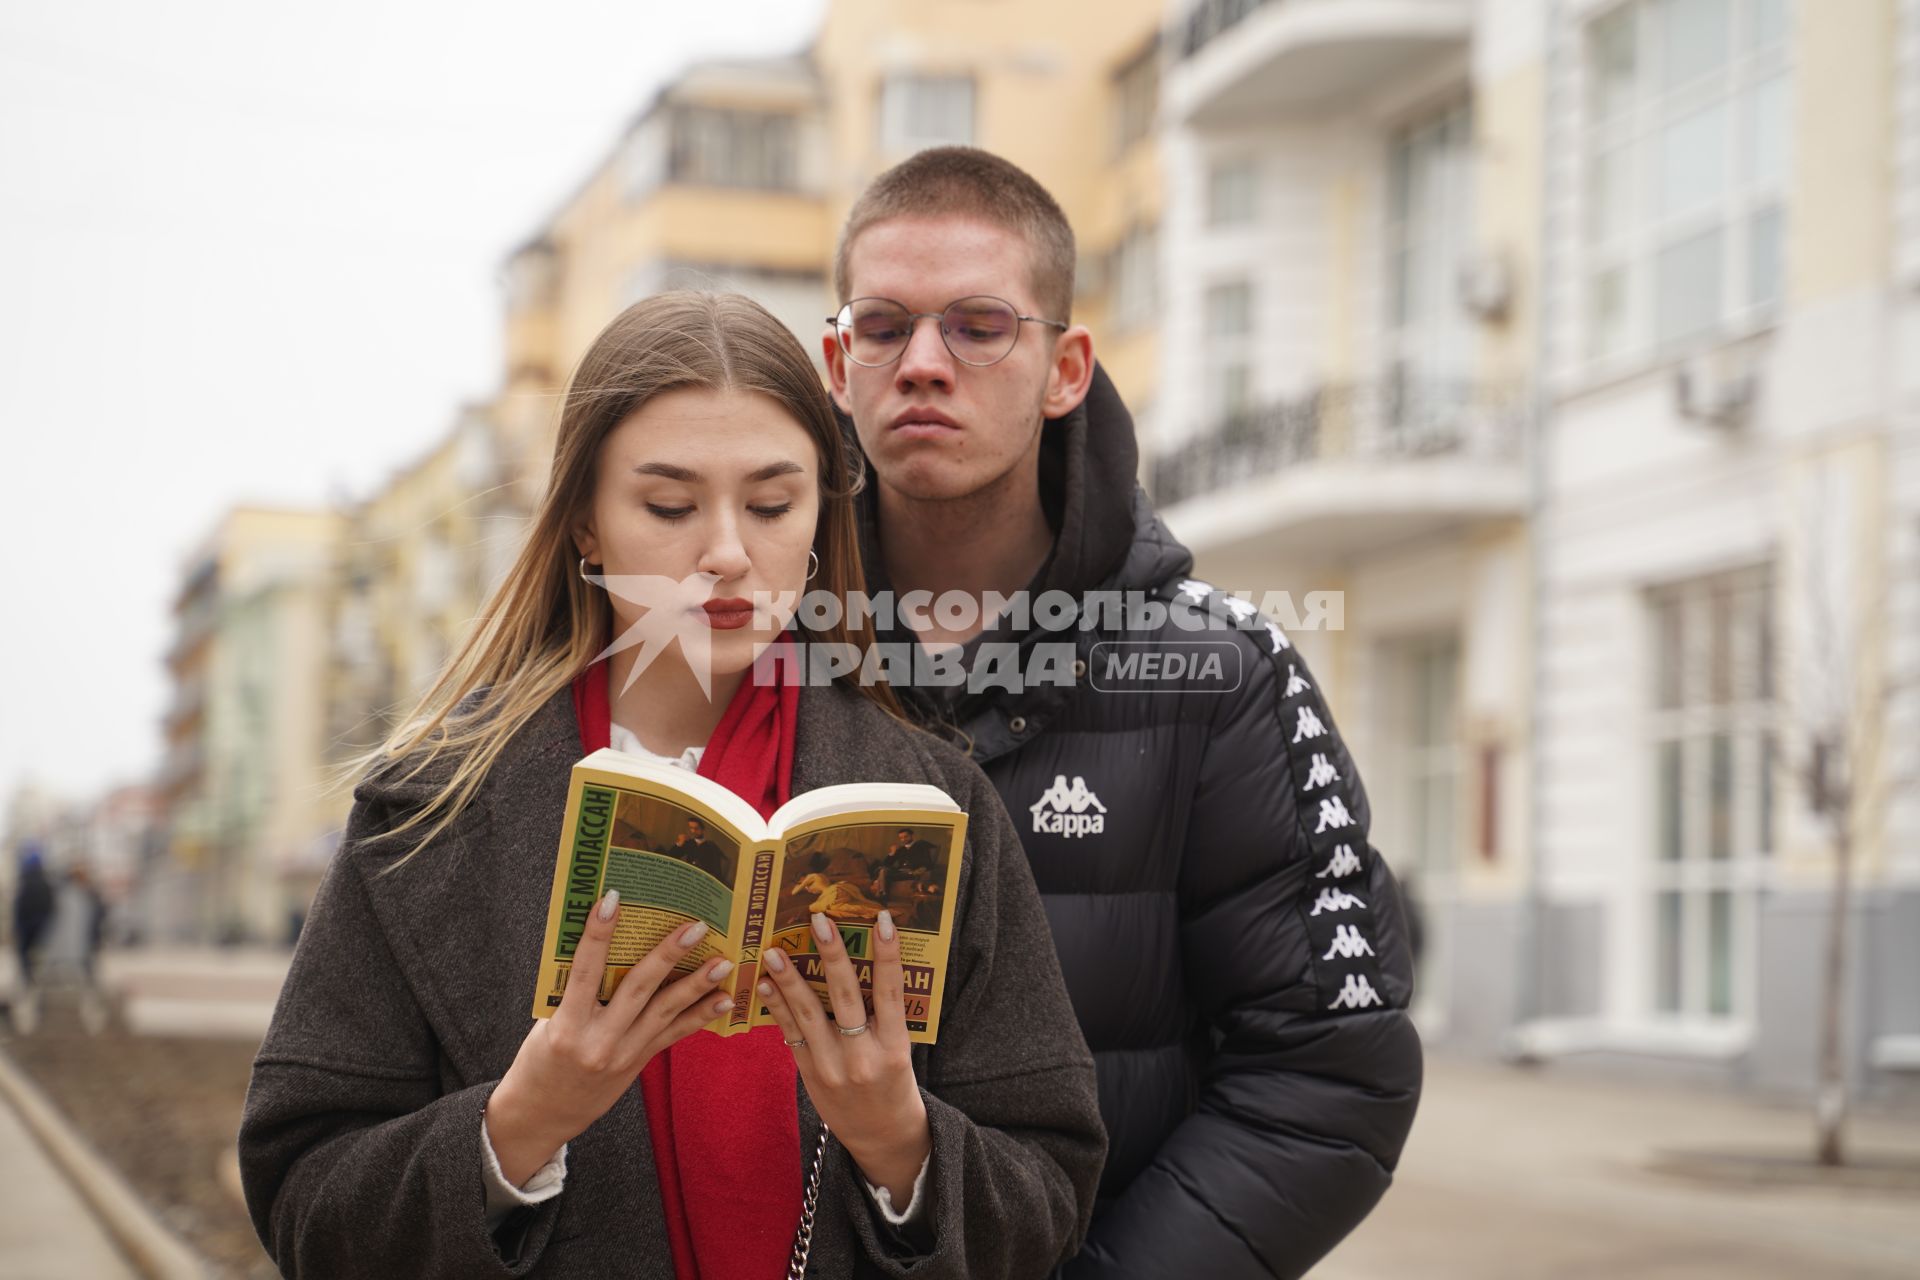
(722, 1112)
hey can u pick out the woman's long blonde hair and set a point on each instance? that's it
(545, 623)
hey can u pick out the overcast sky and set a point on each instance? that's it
(249, 253)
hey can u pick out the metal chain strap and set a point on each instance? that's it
(803, 1239)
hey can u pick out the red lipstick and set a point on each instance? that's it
(730, 614)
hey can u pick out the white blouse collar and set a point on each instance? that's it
(622, 739)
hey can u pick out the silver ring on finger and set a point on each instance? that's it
(801, 1043)
(853, 1031)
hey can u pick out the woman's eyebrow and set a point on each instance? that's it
(669, 471)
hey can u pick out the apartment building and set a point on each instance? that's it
(737, 174)
(1566, 339)
(245, 727)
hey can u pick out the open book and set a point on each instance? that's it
(680, 847)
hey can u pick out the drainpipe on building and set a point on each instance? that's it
(1532, 947)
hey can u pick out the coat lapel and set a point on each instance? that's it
(493, 874)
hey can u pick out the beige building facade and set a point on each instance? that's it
(246, 725)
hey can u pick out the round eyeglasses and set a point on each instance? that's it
(979, 330)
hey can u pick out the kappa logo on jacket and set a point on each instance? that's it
(1062, 810)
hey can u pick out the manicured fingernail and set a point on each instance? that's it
(822, 927)
(886, 926)
(722, 1005)
(720, 971)
(766, 988)
(775, 961)
(609, 904)
(693, 933)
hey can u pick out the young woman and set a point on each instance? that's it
(404, 1121)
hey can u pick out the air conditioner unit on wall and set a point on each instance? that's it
(1484, 286)
(1718, 388)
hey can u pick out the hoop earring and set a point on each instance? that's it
(813, 563)
(583, 571)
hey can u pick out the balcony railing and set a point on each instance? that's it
(182, 768)
(1209, 19)
(1249, 62)
(1390, 420)
(188, 702)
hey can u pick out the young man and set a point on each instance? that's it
(1235, 948)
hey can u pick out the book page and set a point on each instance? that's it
(852, 798)
(673, 859)
(850, 867)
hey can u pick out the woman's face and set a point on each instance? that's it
(704, 509)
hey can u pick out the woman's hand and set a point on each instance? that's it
(574, 1066)
(862, 1085)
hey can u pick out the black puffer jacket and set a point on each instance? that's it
(1235, 949)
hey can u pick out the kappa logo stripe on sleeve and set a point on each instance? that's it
(1333, 905)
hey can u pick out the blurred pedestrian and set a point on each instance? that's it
(32, 913)
(89, 910)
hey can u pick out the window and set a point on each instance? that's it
(1713, 755)
(436, 572)
(792, 295)
(1136, 279)
(1688, 115)
(533, 276)
(642, 159)
(1429, 234)
(925, 111)
(1232, 192)
(734, 149)
(1428, 745)
(1420, 815)
(1136, 93)
(1229, 347)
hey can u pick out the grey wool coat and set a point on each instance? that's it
(409, 995)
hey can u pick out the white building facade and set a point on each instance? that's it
(1571, 340)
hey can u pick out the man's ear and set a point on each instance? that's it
(836, 371)
(1071, 373)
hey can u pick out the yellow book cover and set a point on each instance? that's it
(680, 847)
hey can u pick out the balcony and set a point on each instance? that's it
(181, 771)
(199, 584)
(187, 707)
(1246, 61)
(1346, 470)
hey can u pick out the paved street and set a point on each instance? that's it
(1510, 1174)
(46, 1231)
(1517, 1175)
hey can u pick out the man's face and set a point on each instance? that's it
(936, 428)
(697, 830)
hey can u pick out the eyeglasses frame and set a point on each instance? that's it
(915, 317)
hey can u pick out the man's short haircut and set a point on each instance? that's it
(978, 184)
